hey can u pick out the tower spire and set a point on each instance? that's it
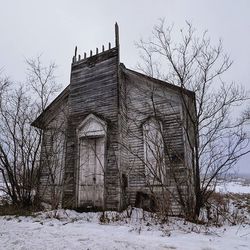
(75, 51)
(116, 35)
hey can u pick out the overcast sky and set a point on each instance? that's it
(53, 28)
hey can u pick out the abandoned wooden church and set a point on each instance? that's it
(115, 137)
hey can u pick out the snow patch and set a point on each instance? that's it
(238, 185)
(67, 229)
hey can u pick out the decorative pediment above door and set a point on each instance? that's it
(92, 126)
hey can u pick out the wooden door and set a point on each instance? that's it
(91, 172)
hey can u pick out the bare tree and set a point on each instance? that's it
(4, 83)
(162, 176)
(193, 63)
(19, 147)
(19, 141)
(41, 80)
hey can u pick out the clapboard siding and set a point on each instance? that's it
(137, 106)
(124, 100)
(93, 89)
(55, 127)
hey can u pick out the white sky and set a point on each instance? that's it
(53, 28)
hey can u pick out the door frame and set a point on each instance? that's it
(90, 128)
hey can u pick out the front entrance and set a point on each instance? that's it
(91, 172)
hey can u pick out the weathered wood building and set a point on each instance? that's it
(115, 137)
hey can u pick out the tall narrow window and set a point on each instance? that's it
(153, 152)
(58, 150)
(54, 165)
(54, 155)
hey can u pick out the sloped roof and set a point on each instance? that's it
(152, 79)
(39, 121)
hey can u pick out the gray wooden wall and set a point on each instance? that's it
(93, 89)
(125, 100)
(137, 106)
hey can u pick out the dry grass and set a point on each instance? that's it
(227, 208)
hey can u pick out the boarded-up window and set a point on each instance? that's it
(153, 152)
(53, 166)
(57, 157)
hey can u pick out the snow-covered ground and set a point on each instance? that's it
(84, 231)
(67, 229)
(238, 185)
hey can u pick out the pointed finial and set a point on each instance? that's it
(79, 57)
(116, 35)
(75, 51)
(96, 50)
(85, 55)
(109, 45)
(91, 52)
(103, 48)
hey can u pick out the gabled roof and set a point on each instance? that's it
(40, 120)
(164, 83)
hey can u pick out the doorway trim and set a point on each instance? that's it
(91, 127)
